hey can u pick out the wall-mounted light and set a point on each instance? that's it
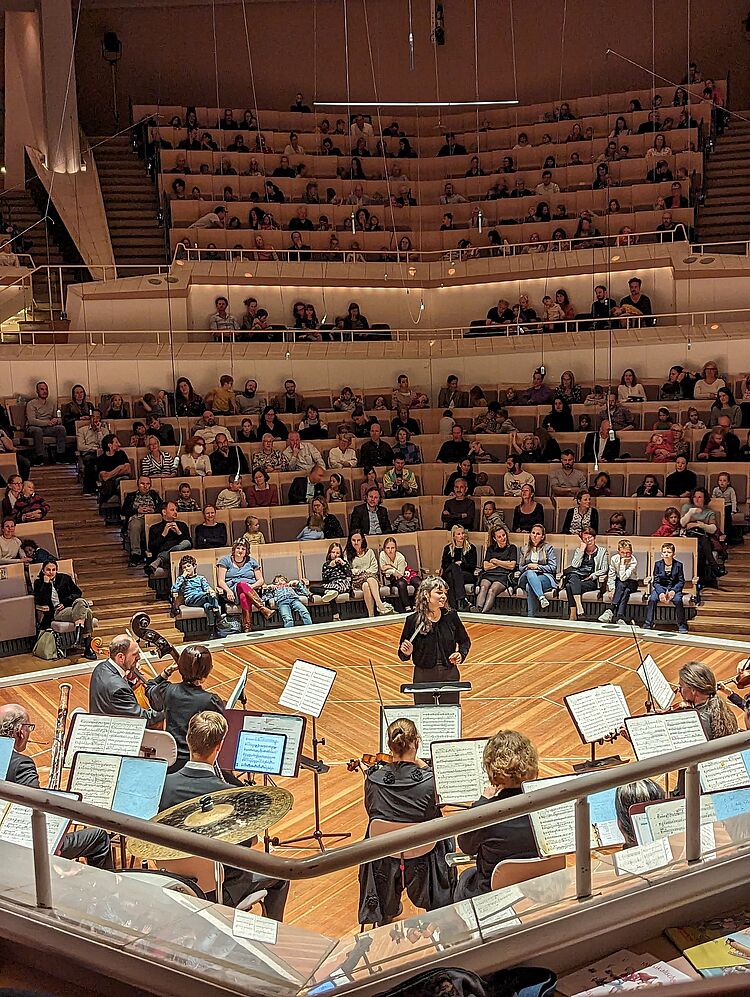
(451, 270)
(705, 260)
(412, 271)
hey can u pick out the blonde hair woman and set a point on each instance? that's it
(458, 566)
(697, 685)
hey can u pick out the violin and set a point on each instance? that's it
(367, 761)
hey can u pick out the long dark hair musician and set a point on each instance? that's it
(434, 638)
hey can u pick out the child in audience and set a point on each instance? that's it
(406, 521)
(252, 534)
(602, 486)
(313, 528)
(660, 447)
(224, 401)
(648, 488)
(723, 490)
(596, 396)
(483, 486)
(138, 436)
(666, 588)
(232, 497)
(336, 490)
(288, 599)
(193, 590)
(616, 525)
(694, 422)
(379, 404)
(185, 500)
(511, 397)
(552, 312)
(155, 404)
(622, 581)
(663, 419)
(670, 524)
(584, 423)
(446, 424)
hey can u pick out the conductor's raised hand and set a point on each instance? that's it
(406, 647)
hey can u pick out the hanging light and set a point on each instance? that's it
(480, 216)
(353, 220)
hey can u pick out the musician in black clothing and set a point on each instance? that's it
(91, 843)
(205, 736)
(180, 701)
(510, 759)
(435, 639)
(403, 791)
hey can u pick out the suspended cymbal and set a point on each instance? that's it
(233, 815)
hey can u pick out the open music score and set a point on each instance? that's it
(265, 723)
(7, 744)
(459, 770)
(643, 858)
(15, 824)
(554, 827)
(433, 723)
(597, 713)
(307, 688)
(107, 735)
(126, 784)
(660, 733)
(254, 928)
(729, 772)
(655, 683)
(259, 752)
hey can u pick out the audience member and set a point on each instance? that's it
(164, 537)
(376, 452)
(668, 582)
(43, 420)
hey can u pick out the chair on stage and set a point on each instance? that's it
(209, 877)
(159, 744)
(510, 872)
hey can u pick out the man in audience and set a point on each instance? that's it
(520, 189)
(638, 300)
(300, 222)
(301, 455)
(111, 684)
(547, 187)
(451, 147)
(731, 443)
(300, 105)
(42, 420)
(602, 307)
(291, 401)
(371, 518)
(515, 477)
(565, 480)
(450, 397)
(91, 843)
(212, 219)
(449, 195)
(459, 510)
(666, 589)
(399, 481)
(682, 482)
(361, 129)
(208, 428)
(89, 441)
(620, 418)
(192, 143)
(676, 198)
(304, 489)
(163, 431)
(111, 467)
(157, 463)
(539, 393)
(598, 447)
(137, 505)
(164, 537)
(652, 124)
(454, 450)
(222, 319)
(375, 452)
(227, 460)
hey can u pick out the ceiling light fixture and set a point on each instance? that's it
(690, 259)
(708, 259)
(615, 259)
(715, 326)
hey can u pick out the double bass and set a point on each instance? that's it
(139, 625)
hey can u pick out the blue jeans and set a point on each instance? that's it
(653, 601)
(208, 602)
(288, 609)
(535, 584)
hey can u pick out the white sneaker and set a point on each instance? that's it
(606, 616)
(387, 609)
(622, 623)
(543, 601)
(329, 595)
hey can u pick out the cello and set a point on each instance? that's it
(141, 630)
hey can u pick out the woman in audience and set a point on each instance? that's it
(621, 128)
(724, 404)
(395, 570)
(246, 433)
(354, 318)
(117, 409)
(510, 760)
(659, 150)
(261, 494)
(500, 559)
(270, 423)
(365, 574)
(58, 599)
(239, 578)
(568, 390)
(268, 457)
(209, 533)
(463, 470)
(699, 521)
(633, 793)
(336, 574)
(602, 486)
(187, 401)
(343, 454)
(709, 383)
(404, 448)
(336, 490)
(79, 407)
(629, 388)
(581, 515)
(677, 386)
(528, 513)
(12, 494)
(538, 567)
(330, 524)
(194, 461)
(458, 565)
(648, 488)
(403, 420)
(371, 481)
(588, 569)
(311, 428)
(560, 417)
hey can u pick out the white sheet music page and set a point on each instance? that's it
(554, 827)
(111, 735)
(307, 688)
(657, 733)
(643, 858)
(598, 712)
(668, 817)
(729, 772)
(458, 769)
(255, 928)
(95, 778)
(654, 679)
(433, 723)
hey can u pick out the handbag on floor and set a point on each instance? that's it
(47, 647)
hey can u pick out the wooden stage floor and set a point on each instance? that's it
(519, 676)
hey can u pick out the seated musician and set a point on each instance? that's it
(91, 843)
(510, 759)
(403, 791)
(182, 700)
(205, 735)
(111, 684)
(643, 791)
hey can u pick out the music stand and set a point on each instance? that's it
(435, 689)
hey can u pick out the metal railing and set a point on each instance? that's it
(575, 791)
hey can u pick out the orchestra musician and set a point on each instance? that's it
(510, 759)
(403, 790)
(698, 688)
(91, 843)
(111, 684)
(182, 700)
(435, 639)
(205, 735)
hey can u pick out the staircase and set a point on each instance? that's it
(724, 611)
(19, 207)
(725, 215)
(132, 206)
(101, 565)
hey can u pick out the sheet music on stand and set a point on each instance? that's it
(307, 688)
(655, 683)
(106, 735)
(15, 824)
(597, 713)
(554, 827)
(433, 723)
(729, 772)
(458, 769)
(239, 688)
(127, 784)
(660, 733)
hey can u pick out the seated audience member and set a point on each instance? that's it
(622, 581)
(538, 393)
(291, 401)
(450, 396)
(157, 463)
(682, 481)
(300, 455)
(500, 559)
(670, 524)
(370, 518)
(10, 544)
(405, 448)
(621, 419)
(327, 522)
(725, 405)
(224, 402)
(287, 597)
(493, 420)
(222, 319)
(139, 435)
(187, 401)
(601, 486)
(112, 467)
(660, 448)
(161, 430)
(347, 401)
(305, 488)
(399, 481)
(89, 439)
(602, 307)
(185, 499)
(538, 568)
(463, 470)
(709, 383)
(354, 319)
(209, 533)
(12, 493)
(720, 443)
(246, 433)
(617, 524)
(648, 488)
(395, 572)
(336, 490)
(565, 480)
(666, 588)
(194, 462)
(261, 494)
(581, 515)
(664, 420)
(375, 452)
(643, 791)
(31, 505)
(365, 572)
(77, 409)
(231, 497)
(42, 420)
(226, 459)
(248, 401)
(402, 395)
(458, 566)
(268, 457)
(600, 447)
(560, 417)
(528, 513)
(491, 517)
(637, 301)
(694, 423)
(145, 501)
(311, 428)
(57, 599)
(164, 537)
(588, 569)
(510, 759)
(459, 510)
(253, 533)
(568, 390)
(515, 478)
(698, 520)
(188, 589)
(343, 454)
(407, 520)
(500, 314)
(403, 420)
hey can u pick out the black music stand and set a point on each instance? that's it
(435, 689)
